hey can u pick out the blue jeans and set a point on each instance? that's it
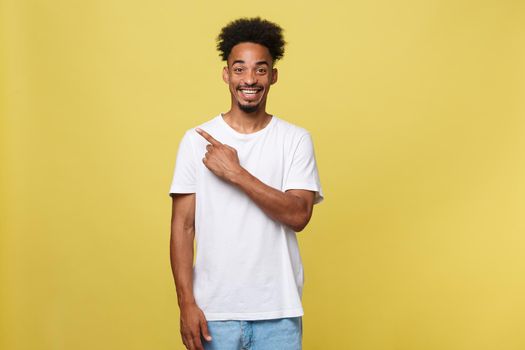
(275, 334)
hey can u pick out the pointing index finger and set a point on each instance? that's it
(208, 137)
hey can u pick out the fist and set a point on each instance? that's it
(220, 158)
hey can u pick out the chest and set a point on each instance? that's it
(265, 158)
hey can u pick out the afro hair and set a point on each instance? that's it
(254, 30)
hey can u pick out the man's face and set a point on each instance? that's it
(249, 75)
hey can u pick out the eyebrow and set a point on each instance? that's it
(257, 63)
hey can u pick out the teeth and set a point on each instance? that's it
(249, 92)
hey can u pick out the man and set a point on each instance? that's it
(244, 183)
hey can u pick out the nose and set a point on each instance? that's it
(250, 78)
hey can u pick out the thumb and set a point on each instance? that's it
(204, 329)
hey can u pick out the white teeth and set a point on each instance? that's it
(249, 92)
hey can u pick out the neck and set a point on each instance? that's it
(247, 123)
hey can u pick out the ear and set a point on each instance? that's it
(225, 75)
(274, 76)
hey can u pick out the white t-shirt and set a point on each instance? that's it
(247, 265)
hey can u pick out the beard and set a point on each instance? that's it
(248, 109)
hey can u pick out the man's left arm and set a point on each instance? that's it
(293, 208)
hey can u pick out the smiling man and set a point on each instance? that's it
(244, 184)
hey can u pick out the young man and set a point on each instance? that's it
(244, 183)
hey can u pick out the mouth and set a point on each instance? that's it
(250, 93)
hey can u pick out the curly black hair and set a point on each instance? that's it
(254, 30)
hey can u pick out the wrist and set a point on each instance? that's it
(186, 301)
(187, 304)
(239, 176)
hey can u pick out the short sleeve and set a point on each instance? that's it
(185, 168)
(303, 173)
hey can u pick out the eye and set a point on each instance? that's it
(237, 69)
(261, 70)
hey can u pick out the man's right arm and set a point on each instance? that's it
(192, 319)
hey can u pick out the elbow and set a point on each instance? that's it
(300, 222)
(298, 228)
(299, 217)
(182, 229)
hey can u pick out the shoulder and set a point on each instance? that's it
(290, 131)
(289, 128)
(210, 126)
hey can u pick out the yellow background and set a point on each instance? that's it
(417, 110)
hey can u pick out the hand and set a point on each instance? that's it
(192, 323)
(220, 158)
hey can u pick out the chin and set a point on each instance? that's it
(248, 108)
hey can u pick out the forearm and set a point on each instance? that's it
(181, 257)
(281, 206)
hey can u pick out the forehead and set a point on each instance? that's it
(249, 53)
